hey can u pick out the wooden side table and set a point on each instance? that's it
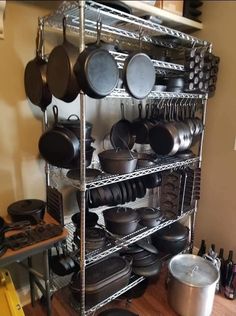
(12, 256)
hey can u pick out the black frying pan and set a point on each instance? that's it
(121, 134)
(36, 87)
(58, 146)
(138, 75)
(96, 70)
(60, 71)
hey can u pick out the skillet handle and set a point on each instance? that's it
(73, 115)
(55, 114)
(99, 30)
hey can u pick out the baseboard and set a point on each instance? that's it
(24, 295)
(195, 250)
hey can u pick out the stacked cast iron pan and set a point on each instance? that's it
(121, 192)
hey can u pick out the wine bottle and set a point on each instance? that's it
(230, 288)
(202, 249)
(222, 264)
(227, 270)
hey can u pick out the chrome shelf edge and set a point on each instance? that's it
(121, 93)
(122, 241)
(109, 179)
(110, 16)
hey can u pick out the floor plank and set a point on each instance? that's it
(152, 303)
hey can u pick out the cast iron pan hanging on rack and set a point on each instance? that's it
(60, 71)
(96, 69)
(121, 134)
(36, 87)
(139, 74)
(58, 146)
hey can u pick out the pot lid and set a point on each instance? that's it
(73, 120)
(26, 206)
(149, 213)
(173, 232)
(120, 214)
(123, 154)
(193, 270)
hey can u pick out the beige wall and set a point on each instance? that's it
(217, 213)
(22, 173)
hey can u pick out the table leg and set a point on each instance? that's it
(31, 281)
(47, 282)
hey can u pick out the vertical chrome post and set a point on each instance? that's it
(82, 167)
(47, 167)
(204, 105)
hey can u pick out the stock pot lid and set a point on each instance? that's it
(193, 270)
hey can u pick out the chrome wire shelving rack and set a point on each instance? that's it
(118, 243)
(117, 23)
(105, 179)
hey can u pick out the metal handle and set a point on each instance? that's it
(73, 115)
(55, 114)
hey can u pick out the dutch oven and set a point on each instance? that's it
(32, 210)
(118, 161)
(102, 279)
(121, 220)
(150, 216)
(171, 239)
(73, 124)
(191, 285)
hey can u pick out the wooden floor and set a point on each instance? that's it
(152, 303)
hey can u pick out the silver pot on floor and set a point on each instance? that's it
(191, 285)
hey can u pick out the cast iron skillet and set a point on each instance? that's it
(36, 87)
(58, 146)
(138, 75)
(96, 70)
(121, 134)
(60, 71)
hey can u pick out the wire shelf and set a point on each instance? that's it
(104, 179)
(117, 244)
(116, 22)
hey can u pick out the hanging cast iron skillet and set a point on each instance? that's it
(96, 70)
(121, 134)
(36, 87)
(138, 75)
(60, 71)
(58, 146)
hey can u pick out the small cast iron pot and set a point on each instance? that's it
(118, 161)
(121, 220)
